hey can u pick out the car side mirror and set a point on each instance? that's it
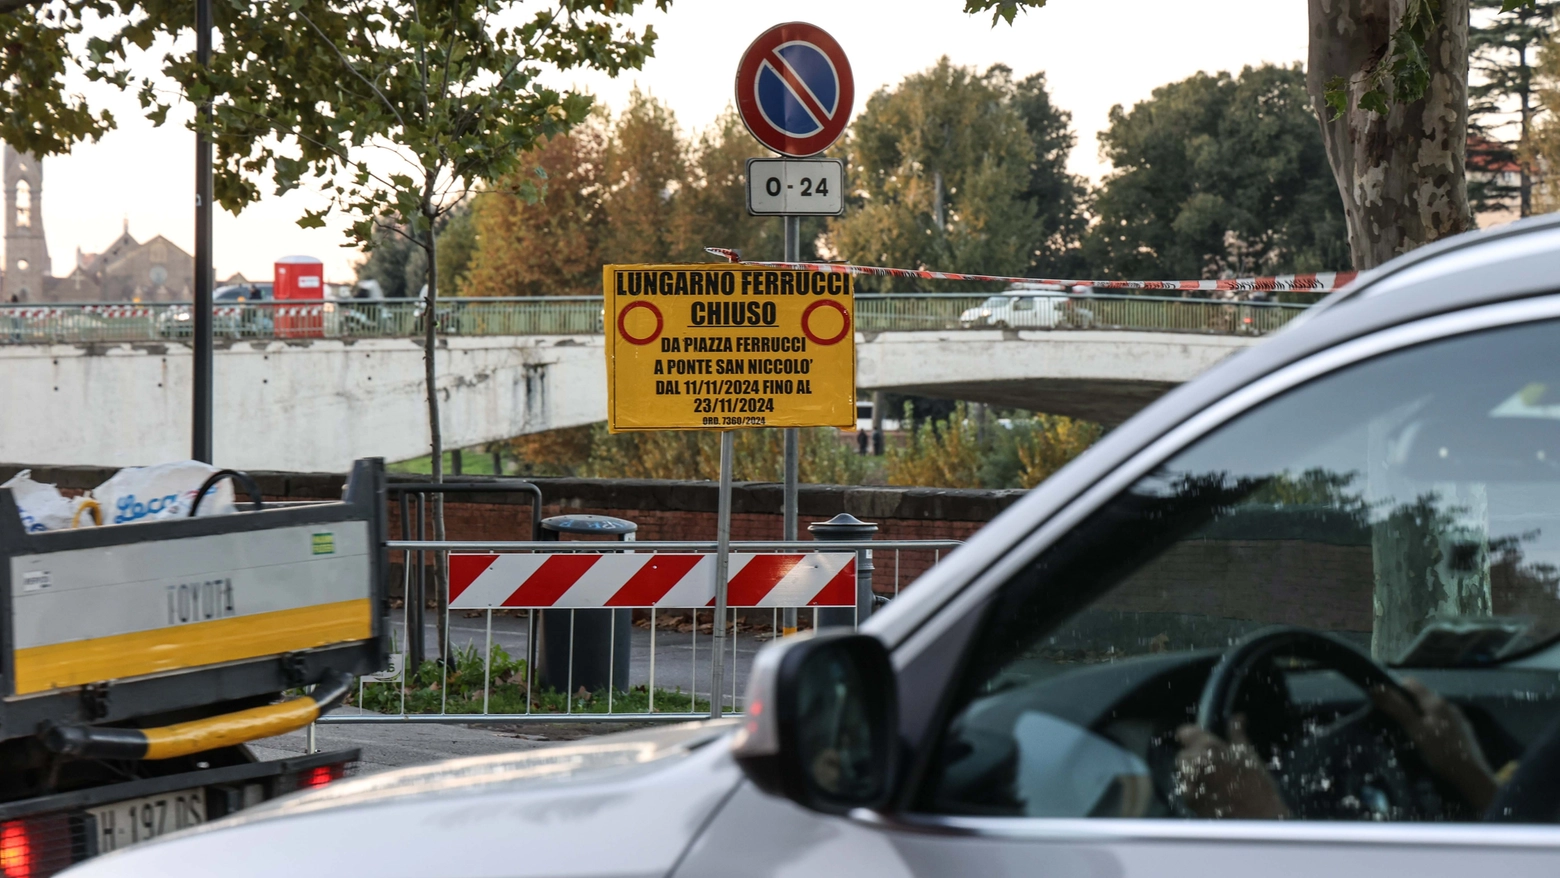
(822, 725)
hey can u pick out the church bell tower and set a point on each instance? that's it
(26, 252)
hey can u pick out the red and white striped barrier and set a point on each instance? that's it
(586, 580)
(1318, 282)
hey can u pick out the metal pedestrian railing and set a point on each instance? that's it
(669, 669)
(1031, 310)
(89, 323)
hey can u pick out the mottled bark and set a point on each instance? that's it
(1401, 175)
(1431, 561)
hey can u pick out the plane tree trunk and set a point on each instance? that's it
(1402, 174)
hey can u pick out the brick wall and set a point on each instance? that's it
(664, 510)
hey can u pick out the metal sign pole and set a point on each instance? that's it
(722, 560)
(201, 438)
(793, 253)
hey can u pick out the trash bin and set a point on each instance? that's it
(603, 639)
(846, 528)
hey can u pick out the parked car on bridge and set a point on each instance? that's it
(1028, 311)
(1301, 614)
(230, 316)
(1014, 311)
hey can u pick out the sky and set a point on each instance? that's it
(1094, 54)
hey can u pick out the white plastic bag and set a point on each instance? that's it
(43, 507)
(167, 490)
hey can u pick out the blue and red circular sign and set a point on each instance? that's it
(794, 89)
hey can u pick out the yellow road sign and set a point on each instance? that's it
(720, 347)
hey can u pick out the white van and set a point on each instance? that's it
(1012, 311)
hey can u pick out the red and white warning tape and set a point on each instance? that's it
(1317, 282)
(580, 580)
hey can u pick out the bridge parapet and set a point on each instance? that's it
(98, 322)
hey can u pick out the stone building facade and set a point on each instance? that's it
(127, 270)
(27, 268)
(154, 270)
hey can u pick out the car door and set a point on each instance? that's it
(1395, 492)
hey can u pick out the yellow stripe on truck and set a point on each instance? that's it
(77, 663)
(201, 735)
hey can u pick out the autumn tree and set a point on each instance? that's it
(695, 454)
(1543, 151)
(711, 208)
(549, 245)
(1217, 175)
(643, 169)
(943, 162)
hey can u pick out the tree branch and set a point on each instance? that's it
(354, 71)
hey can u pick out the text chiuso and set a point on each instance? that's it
(729, 283)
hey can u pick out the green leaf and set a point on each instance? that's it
(1336, 95)
(1002, 10)
(1375, 100)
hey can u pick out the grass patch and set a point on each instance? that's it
(429, 691)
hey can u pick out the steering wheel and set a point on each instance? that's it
(1531, 794)
(1358, 766)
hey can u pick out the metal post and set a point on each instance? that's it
(722, 559)
(201, 420)
(793, 253)
(788, 618)
(487, 661)
(877, 423)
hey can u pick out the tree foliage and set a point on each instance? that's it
(1218, 175)
(825, 458)
(946, 170)
(970, 450)
(1543, 150)
(549, 245)
(1504, 55)
(643, 170)
(630, 189)
(712, 200)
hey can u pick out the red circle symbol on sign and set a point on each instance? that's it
(622, 322)
(844, 322)
(794, 89)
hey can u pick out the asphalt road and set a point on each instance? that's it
(392, 746)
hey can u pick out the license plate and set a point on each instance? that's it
(124, 823)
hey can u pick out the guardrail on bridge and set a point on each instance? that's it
(89, 323)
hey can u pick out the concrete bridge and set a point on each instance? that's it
(111, 394)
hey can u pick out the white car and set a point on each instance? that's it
(1017, 311)
(1300, 616)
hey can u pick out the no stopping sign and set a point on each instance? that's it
(795, 90)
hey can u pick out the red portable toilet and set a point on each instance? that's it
(299, 277)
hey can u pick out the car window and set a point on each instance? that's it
(1408, 506)
(1023, 304)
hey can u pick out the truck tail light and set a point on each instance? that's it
(315, 778)
(41, 845)
(16, 850)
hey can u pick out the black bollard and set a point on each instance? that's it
(848, 528)
(603, 639)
